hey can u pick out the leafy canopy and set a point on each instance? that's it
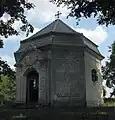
(7, 81)
(103, 10)
(7, 88)
(16, 10)
(109, 70)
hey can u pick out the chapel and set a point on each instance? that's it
(59, 66)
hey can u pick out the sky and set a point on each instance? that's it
(43, 14)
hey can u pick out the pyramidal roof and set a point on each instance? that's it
(56, 26)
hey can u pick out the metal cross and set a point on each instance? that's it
(58, 14)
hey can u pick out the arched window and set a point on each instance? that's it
(94, 75)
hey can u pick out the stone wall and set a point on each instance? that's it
(68, 78)
(29, 64)
(64, 78)
(43, 81)
(93, 89)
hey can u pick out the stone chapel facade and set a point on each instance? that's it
(57, 65)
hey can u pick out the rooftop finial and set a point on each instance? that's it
(58, 14)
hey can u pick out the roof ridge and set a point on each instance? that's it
(55, 25)
(68, 26)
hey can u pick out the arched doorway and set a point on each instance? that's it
(32, 87)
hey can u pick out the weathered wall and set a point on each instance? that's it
(67, 75)
(20, 85)
(68, 83)
(29, 64)
(43, 81)
(93, 90)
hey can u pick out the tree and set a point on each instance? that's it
(7, 88)
(7, 81)
(103, 10)
(16, 10)
(109, 70)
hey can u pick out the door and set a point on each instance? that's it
(32, 87)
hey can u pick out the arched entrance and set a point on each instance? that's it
(32, 87)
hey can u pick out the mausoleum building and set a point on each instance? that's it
(60, 66)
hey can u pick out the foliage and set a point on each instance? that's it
(7, 81)
(7, 88)
(109, 104)
(109, 70)
(6, 70)
(103, 10)
(16, 10)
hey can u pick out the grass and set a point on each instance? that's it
(109, 104)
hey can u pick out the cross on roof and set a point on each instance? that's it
(58, 14)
